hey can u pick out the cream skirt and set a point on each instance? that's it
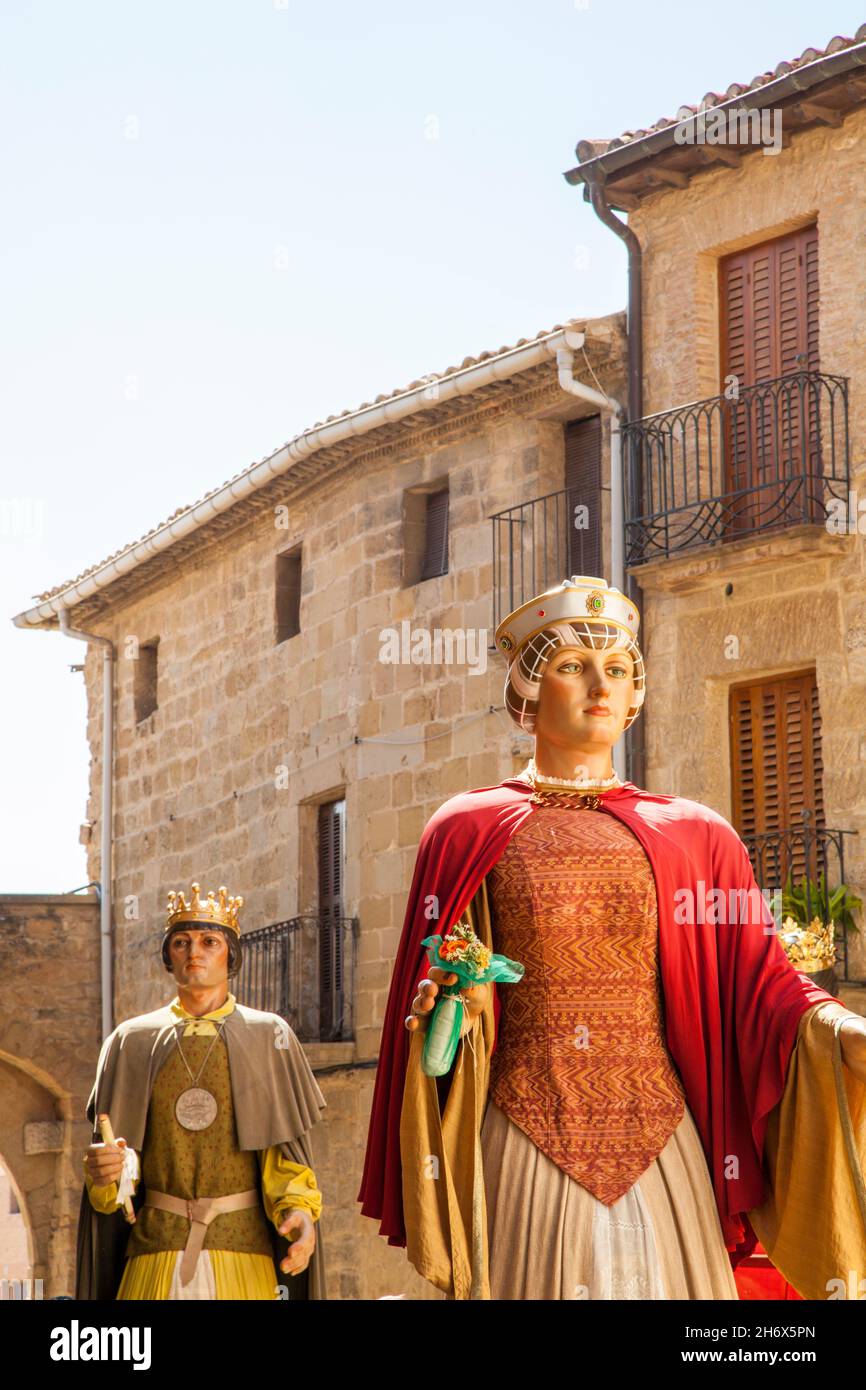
(549, 1238)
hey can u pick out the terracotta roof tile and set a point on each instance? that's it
(591, 149)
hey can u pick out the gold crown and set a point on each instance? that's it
(811, 948)
(222, 914)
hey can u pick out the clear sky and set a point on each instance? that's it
(224, 221)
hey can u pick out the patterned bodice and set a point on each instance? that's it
(581, 1064)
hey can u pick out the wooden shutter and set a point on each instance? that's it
(331, 847)
(583, 487)
(436, 535)
(768, 316)
(776, 766)
(769, 308)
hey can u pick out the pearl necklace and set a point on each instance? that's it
(578, 783)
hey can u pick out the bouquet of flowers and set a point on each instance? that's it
(460, 952)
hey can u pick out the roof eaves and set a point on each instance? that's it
(471, 375)
(621, 152)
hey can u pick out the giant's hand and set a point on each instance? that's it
(302, 1248)
(105, 1162)
(422, 1005)
(852, 1039)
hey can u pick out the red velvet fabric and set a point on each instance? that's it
(732, 999)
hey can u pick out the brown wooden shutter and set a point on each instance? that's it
(769, 308)
(331, 846)
(776, 764)
(768, 317)
(583, 487)
(436, 535)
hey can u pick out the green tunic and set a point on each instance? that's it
(197, 1163)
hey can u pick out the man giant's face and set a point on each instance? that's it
(576, 682)
(199, 956)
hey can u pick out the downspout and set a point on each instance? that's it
(572, 341)
(106, 959)
(636, 737)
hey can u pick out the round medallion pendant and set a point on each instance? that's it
(195, 1108)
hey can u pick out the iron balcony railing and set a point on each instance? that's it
(805, 851)
(539, 543)
(303, 969)
(761, 458)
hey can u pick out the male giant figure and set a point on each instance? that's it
(211, 1172)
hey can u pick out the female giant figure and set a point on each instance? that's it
(621, 1123)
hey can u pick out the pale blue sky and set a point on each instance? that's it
(223, 222)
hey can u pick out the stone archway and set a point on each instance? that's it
(17, 1253)
(49, 1044)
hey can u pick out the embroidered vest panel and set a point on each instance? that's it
(581, 1064)
(197, 1163)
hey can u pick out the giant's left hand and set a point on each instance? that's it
(852, 1039)
(303, 1246)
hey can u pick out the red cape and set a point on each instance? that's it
(732, 999)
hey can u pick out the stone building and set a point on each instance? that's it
(300, 665)
(303, 672)
(745, 525)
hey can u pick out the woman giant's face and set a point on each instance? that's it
(585, 696)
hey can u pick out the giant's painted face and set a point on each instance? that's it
(585, 696)
(198, 956)
(601, 654)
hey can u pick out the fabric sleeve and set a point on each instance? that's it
(440, 1151)
(287, 1186)
(104, 1198)
(813, 1224)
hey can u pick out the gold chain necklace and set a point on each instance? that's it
(572, 793)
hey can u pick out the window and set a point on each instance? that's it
(288, 594)
(425, 532)
(145, 680)
(331, 849)
(776, 767)
(768, 319)
(769, 309)
(583, 490)
(436, 535)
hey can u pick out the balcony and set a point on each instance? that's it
(722, 468)
(539, 543)
(303, 969)
(800, 850)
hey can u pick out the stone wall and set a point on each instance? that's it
(49, 1044)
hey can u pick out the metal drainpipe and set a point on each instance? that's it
(636, 737)
(105, 875)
